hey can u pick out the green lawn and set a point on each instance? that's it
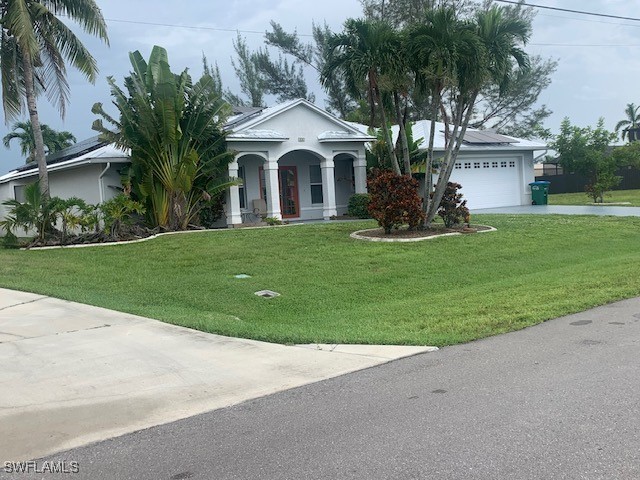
(631, 196)
(335, 289)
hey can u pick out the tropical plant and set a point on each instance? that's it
(394, 200)
(118, 213)
(172, 127)
(361, 56)
(453, 209)
(54, 141)
(36, 212)
(631, 123)
(73, 214)
(34, 45)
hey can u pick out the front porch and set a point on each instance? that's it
(300, 185)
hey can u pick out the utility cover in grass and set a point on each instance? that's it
(267, 294)
(242, 275)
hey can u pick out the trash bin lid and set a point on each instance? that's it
(540, 182)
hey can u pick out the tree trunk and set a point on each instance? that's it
(402, 135)
(387, 136)
(428, 177)
(451, 155)
(43, 174)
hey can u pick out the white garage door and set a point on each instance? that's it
(489, 182)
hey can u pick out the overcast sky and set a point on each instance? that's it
(599, 64)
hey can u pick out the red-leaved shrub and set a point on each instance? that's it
(394, 200)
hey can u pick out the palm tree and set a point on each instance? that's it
(34, 46)
(487, 55)
(361, 55)
(435, 45)
(173, 128)
(632, 122)
(53, 140)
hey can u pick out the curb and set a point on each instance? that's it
(359, 236)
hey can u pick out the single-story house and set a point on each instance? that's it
(297, 162)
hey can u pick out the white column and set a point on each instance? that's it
(234, 214)
(360, 174)
(273, 189)
(329, 208)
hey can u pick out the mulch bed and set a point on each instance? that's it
(403, 232)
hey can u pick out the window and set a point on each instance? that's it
(512, 164)
(494, 164)
(485, 164)
(18, 193)
(315, 181)
(241, 188)
(467, 165)
(503, 164)
(476, 165)
(263, 185)
(457, 166)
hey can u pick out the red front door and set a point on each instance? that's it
(289, 203)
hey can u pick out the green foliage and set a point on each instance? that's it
(36, 213)
(394, 200)
(272, 221)
(118, 213)
(586, 151)
(73, 214)
(359, 205)
(34, 46)
(173, 128)
(628, 155)
(54, 141)
(631, 123)
(453, 209)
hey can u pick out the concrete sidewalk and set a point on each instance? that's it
(72, 374)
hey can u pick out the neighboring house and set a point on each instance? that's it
(87, 169)
(297, 162)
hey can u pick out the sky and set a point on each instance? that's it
(597, 75)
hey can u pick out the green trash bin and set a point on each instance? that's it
(539, 192)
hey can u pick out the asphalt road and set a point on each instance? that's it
(557, 401)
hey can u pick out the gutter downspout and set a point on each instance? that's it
(100, 185)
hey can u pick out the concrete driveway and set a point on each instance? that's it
(564, 210)
(73, 374)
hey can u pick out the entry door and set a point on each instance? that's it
(289, 202)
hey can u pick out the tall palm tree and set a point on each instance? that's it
(632, 121)
(361, 55)
(435, 44)
(53, 140)
(489, 56)
(34, 45)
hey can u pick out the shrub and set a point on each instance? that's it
(119, 212)
(394, 200)
(453, 209)
(358, 205)
(272, 221)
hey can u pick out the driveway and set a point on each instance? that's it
(554, 401)
(73, 374)
(564, 210)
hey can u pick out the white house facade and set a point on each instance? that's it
(297, 162)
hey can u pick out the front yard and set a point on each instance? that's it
(615, 196)
(336, 289)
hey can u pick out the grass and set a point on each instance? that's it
(631, 196)
(336, 289)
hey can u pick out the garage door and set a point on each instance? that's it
(489, 182)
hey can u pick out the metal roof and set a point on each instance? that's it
(482, 137)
